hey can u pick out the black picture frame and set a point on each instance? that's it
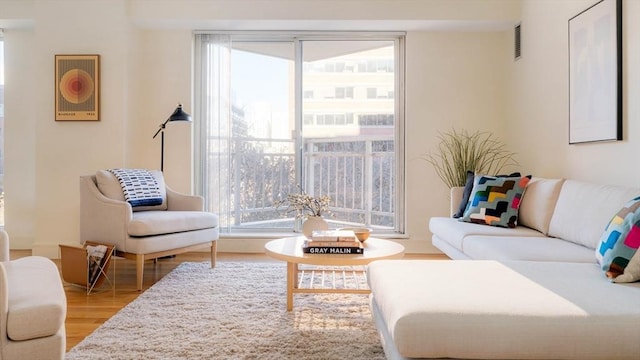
(595, 73)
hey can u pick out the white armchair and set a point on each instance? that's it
(33, 307)
(178, 225)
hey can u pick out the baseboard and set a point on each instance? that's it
(51, 251)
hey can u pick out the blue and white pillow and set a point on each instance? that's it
(110, 187)
(139, 187)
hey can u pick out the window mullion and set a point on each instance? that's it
(299, 158)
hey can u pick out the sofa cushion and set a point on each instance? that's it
(538, 202)
(620, 242)
(525, 248)
(150, 223)
(584, 209)
(504, 310)
(36, 300)
(453, 231)
(110, 187)
(495, 200)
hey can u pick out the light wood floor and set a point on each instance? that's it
(85, 313)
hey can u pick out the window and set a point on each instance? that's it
(278, 112)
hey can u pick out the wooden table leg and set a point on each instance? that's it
(291, 283)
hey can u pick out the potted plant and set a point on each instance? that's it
(461, 151)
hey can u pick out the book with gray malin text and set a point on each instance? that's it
(351, 250)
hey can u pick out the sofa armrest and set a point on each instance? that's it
(182, 202)
(102, 219)
(456, 198)
(4, 305)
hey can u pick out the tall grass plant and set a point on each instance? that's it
(461, 151)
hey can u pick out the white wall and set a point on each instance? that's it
(539, 102)
(455, 79)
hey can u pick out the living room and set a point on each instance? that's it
(460, 73)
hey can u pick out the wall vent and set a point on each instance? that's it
(517, 42)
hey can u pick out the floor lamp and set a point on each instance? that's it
(178, 115)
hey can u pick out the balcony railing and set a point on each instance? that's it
(357, 173)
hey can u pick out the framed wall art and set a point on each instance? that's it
(77, 87)
(595, 73)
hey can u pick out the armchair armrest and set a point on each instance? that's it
(4, 246)
(182, 202)
(102, 219)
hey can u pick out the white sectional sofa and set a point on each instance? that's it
(559, 220)
(531, 292)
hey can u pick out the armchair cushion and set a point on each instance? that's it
(110, 187)
(151, 223)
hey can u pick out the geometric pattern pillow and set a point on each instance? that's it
(468, 188)
(495, 200)
(618, 249)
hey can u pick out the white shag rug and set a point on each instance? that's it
(235, 311)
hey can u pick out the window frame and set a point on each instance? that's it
(3, 130)
(299, 37)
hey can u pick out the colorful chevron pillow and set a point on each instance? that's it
(618, 250)
(495, 200)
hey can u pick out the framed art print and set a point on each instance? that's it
(595, 73)
(77, 87)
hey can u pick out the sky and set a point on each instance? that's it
(259, 78)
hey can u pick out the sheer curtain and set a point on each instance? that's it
(213, 122)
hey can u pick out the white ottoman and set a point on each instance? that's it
(503, 310)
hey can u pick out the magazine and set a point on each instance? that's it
(95, 255)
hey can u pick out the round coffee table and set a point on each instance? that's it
(290, 250)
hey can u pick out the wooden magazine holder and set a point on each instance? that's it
(75, 265)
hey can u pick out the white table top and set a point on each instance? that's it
(290, 250)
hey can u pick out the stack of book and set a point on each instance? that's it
(333, 242)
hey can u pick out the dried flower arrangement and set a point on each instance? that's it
(304, 205)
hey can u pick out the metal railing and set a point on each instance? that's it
(357, 173)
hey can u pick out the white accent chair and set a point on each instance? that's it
(144, 233)
(33, 307)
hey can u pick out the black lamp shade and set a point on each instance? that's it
(179, 115)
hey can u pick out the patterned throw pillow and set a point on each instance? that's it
(495, 200)
(618, 249)
(468, 188)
